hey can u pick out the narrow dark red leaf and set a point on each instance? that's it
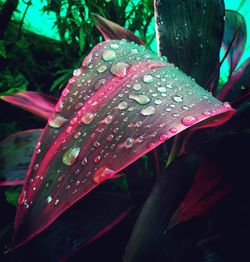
(113, 31)
(89, 219)
(123, 102)
(37, 103)
(234, 39)
(15, 155)
(190, 33)
(208, 189)
(234, 80)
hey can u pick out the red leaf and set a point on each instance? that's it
(37, 103)
(123, 102)
(113, 31)
(207, 190)
(15, 156)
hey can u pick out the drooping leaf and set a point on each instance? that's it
(147, 242)
(113, 31)
(123, 102)
(190, 33)
(234, 39)
(37, 103)
(89, 219)
(15, 155)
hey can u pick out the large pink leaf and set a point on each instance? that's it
(37, 103)
(113, 31)
(123, 102)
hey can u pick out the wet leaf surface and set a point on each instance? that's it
(187, 32)
(123, 102)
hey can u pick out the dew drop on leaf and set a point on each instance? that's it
(56, 121)
(189, 120)
(177, 98)
(148, 79)
(70, 156)
(141, 99)
(87, 118)
(119, 69)
(108, 55)
(101, 69)
(150, 110)
(137, 87)
(102, 173)
(162, 89)
(123, 105)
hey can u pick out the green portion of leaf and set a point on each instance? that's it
(12, 194)
(190, 35)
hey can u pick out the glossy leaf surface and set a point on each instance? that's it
(150, 232)
(234, 39)
(187, 31)
(113, 31)
(122, 103)
(85, 222)
(37, 103)
(15, 155)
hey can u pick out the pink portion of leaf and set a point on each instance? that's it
(123, 102)
(15, 156)
(207, 189)
(37, 103)
(113, 31)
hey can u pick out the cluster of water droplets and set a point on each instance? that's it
(122, 101)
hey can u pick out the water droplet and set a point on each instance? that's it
(87, 118)
(158, 101)
(102, 173)
(169, 86)
(60, 178)
(114, 46)
(162, 89)
(110, 137)
(56, 121)
(227, 105)
(119, 69)
(97, 159)
(137, 87)
(77, 134)
(78, 105)
(56, 201)
(189, 120)
(129, 142)
(148, 79)
(70, 157)
(206, 113)
(123, 105)
(49, 199)
(108, 119)
(35, 166)
(84, 161)
(173, 130)
(163, 137)
(108, 55)
(141, 99)
(177, 98)
(65, 92)
(185, 107)
(77, 72)
(150, 110)
(96, 144)
(101, 69)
